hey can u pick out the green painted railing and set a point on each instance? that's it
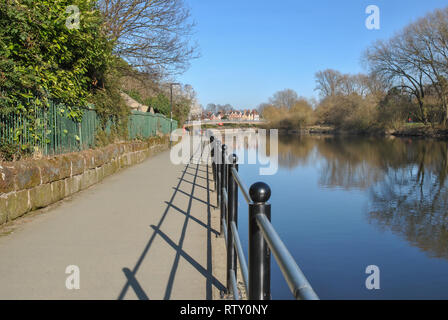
(53, 132)
(146, 124)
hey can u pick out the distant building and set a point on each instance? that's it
(235, 115)
(247, 116)
(217, 116)
(255, 115)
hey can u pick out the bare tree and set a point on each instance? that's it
(391, 60)
(211, 107)
(427, 48)
(416, 60)
(284, 99)
(331, 83)
(376, 85)
(151, 35)
(328, 82)
(224, 108)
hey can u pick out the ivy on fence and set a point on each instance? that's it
(51, 131)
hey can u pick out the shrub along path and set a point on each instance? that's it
(144, 233)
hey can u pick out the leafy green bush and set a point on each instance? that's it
(109, 105)
(160, 103)
(12, 151)
(41, 58)
(134, 94)
(181, 109)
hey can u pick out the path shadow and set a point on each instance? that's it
(135, 285)
(206, 272)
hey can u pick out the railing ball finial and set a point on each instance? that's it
(260, 192)
(233, 158)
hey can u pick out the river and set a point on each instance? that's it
(341, 204)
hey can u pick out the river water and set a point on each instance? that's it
(341, 204)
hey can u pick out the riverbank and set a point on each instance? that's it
(420, 130)
(407, 130)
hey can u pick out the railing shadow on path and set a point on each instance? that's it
(206, 272)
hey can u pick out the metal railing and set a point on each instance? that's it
(52, 131)
(263, 239)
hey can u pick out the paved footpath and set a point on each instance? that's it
(143, 233)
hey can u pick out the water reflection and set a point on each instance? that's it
(406, 180)
(294, 150)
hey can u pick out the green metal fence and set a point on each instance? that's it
(52, 132)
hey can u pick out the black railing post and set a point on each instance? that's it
(232, 216)
(212, 156)
(259, 253)
(223, 185)
(218, 172)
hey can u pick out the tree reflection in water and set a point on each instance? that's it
(406, 180)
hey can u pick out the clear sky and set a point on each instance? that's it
(252, 48)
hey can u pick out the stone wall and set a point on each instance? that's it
(32, 184)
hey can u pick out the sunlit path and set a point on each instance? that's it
(141, 234)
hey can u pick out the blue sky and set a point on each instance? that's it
(251, 49)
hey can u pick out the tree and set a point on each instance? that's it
(284, 99)
(42, 59)
(224, 108)
(331, 82)
(302, 113)
(416, 60)
(211, 107)
(161, 104)
(272, 113)
(376, 85)
(395, 107)
(391, 60)
(262, 106)
(215, 108)
(426, 45)
(181, 109)
(328, 82)
(152, 35)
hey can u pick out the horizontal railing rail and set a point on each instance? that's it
(241, 185)
(263, 239)
(297, 282)
(240, 253)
